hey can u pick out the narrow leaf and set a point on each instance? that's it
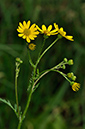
(9, 104)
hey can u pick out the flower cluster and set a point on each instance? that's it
(71, 77)
(30, 32)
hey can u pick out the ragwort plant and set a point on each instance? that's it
(30, 33)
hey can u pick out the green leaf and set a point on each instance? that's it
(9, 104)
(38, 71)
(36, 86)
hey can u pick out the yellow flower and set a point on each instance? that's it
(47, 31)
(32, 46)
(63, 33)
(75, 86)
(26, 31)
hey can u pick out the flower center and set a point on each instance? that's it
(46, 32)
(26, 32)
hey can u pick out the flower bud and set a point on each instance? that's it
(70, 62)
(65, 60)
(74, 78)
(19, 60)
(63, 66)
(70, 75)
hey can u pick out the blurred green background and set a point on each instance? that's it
(54, 105)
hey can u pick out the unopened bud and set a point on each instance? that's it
(74, 78)
(65, 60)
(70, 62)
(70, 75)
(19, 60)
(63, 66)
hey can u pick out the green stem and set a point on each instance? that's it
(19, 125)
(52, 69)
(40, 78)
(46, 51)
(59, 65)
(42, 47)
(30, 60)
(47, 71)
(16, 95)
(28, 101)
(64, 75)
(26, 108)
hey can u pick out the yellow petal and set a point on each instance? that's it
(56, 26)
(24, 23)
(61, 29)
(43, 27)
(38, 28)
(32, 26)
(28, 40)
(49, 27)
(69, 38)
(19, 30)
(63, 33)
(20, 35)
(20, 24)
(34, 29)
(34, 36)
(28, 24)
(54, 33)
(24, 37)
(36, 32)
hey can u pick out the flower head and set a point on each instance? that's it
(32, 46)
(75, 86)
(47, 31)
(26, 31)
(63, 33)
